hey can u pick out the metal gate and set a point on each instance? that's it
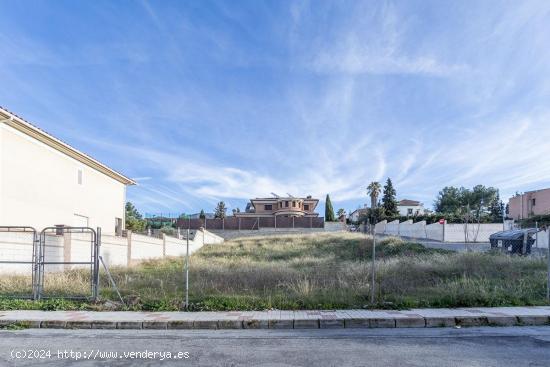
(46, 260)
(20, 249)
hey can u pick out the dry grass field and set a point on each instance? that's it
(317, 271)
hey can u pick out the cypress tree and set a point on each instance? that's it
(389, 202)
(329, 211)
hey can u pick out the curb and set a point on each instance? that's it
(312, 323)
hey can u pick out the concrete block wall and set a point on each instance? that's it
(116, 251)
(144, 247)
(414, 230)
(335, 226)
(542, 239)
(472, 232)
(439, 232)
(380, 227)
(392, 228)
(54, 251)
(434, 231)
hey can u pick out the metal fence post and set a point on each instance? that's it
(187, 274)
(36, 267)
(96, 263)
(548, 270)
(372, 297)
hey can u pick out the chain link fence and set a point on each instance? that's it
(318, 271)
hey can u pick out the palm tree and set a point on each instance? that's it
(373, 190)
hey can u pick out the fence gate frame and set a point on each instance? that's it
(33, 261)
(95, 243)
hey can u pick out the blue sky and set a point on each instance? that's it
(203, 101)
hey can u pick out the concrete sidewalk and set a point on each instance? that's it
(275, 319)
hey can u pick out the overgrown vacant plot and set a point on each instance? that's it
(319, 271)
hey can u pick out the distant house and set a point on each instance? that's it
(276, 206)
(357, 214)
(45, 181)
(408, 208)
(529, 203)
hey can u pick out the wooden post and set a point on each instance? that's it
(164, 245)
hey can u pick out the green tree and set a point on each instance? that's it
(374, 191)
(496, 208)
(449, 200)
(169, 231)
(389, 201)
(220, 210)
(468, 204)
(341, 212)
(329, 210)
(134, 219)
(479, 200)
(202, 215)
(373, 216)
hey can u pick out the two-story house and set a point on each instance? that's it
(280, 206)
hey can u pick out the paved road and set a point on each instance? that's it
(454, 246)
(518, 346)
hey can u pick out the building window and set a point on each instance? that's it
(268, 207)
(79, 179)
(286, 204)
(306, 206)
(409, 211)
(294, 204)
(533, 202)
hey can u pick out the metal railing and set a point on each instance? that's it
(93, 261)
(33, 260)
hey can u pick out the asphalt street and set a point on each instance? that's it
(505, 346)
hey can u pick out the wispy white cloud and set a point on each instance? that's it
(307, 97)
(372, 43)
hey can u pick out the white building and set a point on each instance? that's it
(409, 208)
(357, 214)
(44, 182)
